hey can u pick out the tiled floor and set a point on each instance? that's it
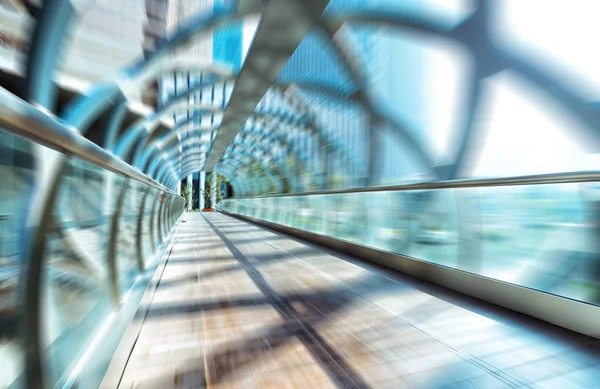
(239, 306)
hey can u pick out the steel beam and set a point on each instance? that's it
(143, 130)
(247, 152)
(86, 109)
(139, 230)
(254, 181)
(145, 151)
(45, 51)
(273, 44)
(113, 241)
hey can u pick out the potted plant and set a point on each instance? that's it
(187, 193)
(207, 198)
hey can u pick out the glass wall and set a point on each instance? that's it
(543, 237)
(391, 93)
(54, 305)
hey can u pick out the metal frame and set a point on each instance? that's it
(158, 144)
(175, 147)
(169, 165)
(168, 140)
(20, 118)
(181, 158)
(145, 129)
(246, 152)
(194, 162)
(113, 241)
(82, 112)
(375, 110)
(322, 137)
(166, 214)
(537, 179)
(300, 117)
(46, 45)
(238, 187)
(261, 132)
(159, 219)
(150, 121)
(489, 59)
(258, 146)
(139, 230)
(254, 78)
(79, 116)
(232, 179)
(152, 224)
(235, 170)
(236, 161)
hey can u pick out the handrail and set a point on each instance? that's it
(538, 179)
(27, 121)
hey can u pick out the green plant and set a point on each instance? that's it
(207, 195)
(219, 181)
(188, 194)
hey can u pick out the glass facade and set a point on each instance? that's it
(83, 280)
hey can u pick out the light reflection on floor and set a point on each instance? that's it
(254, 309)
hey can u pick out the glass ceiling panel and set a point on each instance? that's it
(273, 101)
(418, 80)
(315, 63)
(468, 99)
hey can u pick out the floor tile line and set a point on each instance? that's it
(321, 352)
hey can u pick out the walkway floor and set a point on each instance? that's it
(239, 306)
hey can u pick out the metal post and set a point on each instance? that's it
(113, 125)
(32, 256)
(170, 215)
(113, 240)
(152, 214)
(2, 219)
(47, 42)
(139, 231)
(165, 216)
(373, 149)
(159, 219)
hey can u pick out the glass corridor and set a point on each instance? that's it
(457, 139)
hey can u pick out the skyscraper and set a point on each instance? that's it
(104, 36)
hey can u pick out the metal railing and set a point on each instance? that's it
(104, 265)
(27, 121)
(529, 231)
(538, 179)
